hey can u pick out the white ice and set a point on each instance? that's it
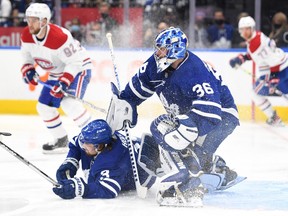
(253, 150)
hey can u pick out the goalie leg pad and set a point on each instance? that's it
(148, 157)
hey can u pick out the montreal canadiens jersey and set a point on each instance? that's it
(59, 52)
(263, 51)
(194, 88)
(109, 172)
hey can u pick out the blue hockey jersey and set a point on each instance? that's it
(110, 171)
(194, 88)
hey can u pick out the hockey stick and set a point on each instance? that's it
(76, 98)
(141, 190)
(19, 157)
(244, 70)
(278, 92)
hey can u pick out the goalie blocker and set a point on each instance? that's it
(121, 108)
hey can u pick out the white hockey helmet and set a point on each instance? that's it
(39, 10)
(245, 22)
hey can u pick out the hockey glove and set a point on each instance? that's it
(30, 76)
(61, 86)
(71, 188)
(237, 61)
(67, 169)
(273, 83)
(174, 134)
(120, 110)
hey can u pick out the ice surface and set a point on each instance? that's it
(253, 150)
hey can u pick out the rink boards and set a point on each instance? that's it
(18, 98)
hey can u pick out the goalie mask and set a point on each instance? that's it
(96, 132)
(174, 42)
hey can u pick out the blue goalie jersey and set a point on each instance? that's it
(110, 171)
(194, 88)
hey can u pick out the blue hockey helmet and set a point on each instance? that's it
(96, 132)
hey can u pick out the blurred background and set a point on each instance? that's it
(134, 25)
(89, 20)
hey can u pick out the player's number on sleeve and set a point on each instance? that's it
(203, 88)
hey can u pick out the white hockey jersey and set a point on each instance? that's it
(59, 52)
(263, 51)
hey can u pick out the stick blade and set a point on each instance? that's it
(5, 134)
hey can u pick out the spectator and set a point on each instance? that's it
(76, 29)
(150, 32)
(279, 31)
(201, 37)
(238, 41)
(94, 36)
(162, 26)
(20, 5)
(5, 11)
(220, 34)
(107, 22)
(16, 19)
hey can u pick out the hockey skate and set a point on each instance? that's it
(221, 177)
(220, 167)
(275, 120)
(58, 146)
(175, 198)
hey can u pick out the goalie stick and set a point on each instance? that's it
(29, 164)
(141, 191)
(74, 97)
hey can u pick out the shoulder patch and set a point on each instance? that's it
(55, 38)
(255, 42)
(26, 37)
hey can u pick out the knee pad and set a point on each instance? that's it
(46, 112)
(174, 135)
(75, 110)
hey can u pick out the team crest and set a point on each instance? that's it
(44, 64)
(170, 108)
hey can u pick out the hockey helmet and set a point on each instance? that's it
(174, 40)
(245, 22)
(96, 132)
(39, 10)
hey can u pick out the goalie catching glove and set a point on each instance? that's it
(174, 133)
(120, 111)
